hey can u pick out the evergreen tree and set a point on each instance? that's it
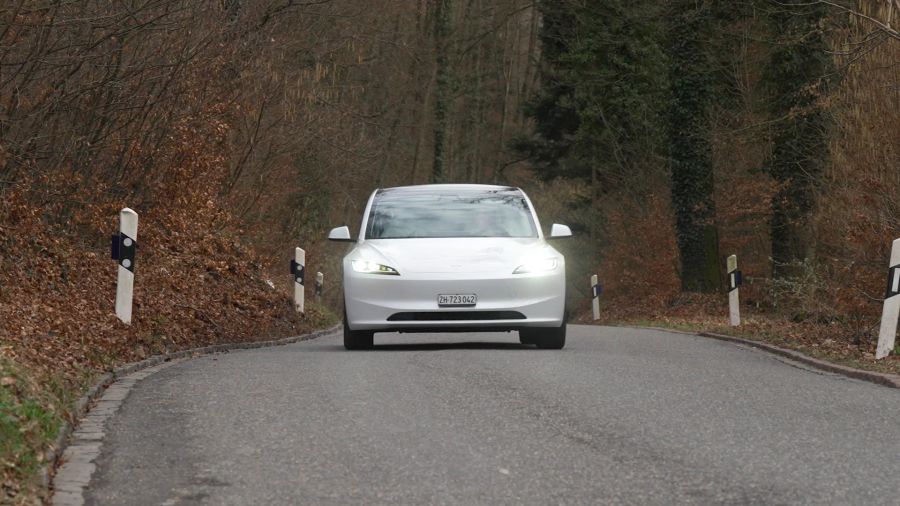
(599, 113)
(553, 108)
(603, 90)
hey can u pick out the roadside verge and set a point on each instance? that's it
(888, 380)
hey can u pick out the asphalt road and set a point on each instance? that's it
(620, 416)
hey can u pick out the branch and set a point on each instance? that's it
(267, 16)
(884, 27)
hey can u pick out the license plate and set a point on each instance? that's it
(466, 299)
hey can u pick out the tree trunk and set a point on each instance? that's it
(689, 130)
(442, 90)
(796, 77)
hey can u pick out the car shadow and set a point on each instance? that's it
(468, 345)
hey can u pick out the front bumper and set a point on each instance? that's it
(408, 303)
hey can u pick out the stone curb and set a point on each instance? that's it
(82, 405)
(888, 380)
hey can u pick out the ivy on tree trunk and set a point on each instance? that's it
(441, 31)
(689, 144)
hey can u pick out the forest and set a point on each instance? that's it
(668, 134)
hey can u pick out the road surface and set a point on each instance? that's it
(620, 416)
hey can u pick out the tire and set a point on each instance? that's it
(357, 339)
(526, 337)
(551, 338)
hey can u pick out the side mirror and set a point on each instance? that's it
(558, 231)
(340, 234)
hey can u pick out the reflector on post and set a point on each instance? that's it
(124, 250)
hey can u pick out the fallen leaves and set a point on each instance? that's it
(195, 285)
(837, 341)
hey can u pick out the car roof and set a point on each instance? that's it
(447, 188)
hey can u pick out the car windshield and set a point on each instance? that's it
(406, 215)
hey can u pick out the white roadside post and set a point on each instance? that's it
(595, 295)
(124, 247)
(320, 285)
(889, 315)
(734, 282)
(298, 269)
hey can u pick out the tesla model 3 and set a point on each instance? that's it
(453, 258)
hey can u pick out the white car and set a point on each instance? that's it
(453, 258)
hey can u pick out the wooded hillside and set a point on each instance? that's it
(668, 134)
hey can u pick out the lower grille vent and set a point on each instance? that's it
(432, 316)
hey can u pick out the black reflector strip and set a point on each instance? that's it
(430, 316)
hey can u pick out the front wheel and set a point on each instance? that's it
(551, 338)
(548, 338)
(526, 337)
(357, 339)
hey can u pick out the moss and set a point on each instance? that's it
(30, 419)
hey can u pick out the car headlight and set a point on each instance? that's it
(373, 268)
(542, 265)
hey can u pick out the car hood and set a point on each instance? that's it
(464, 255)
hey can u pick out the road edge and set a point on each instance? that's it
(82, 406)
(883, 379)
